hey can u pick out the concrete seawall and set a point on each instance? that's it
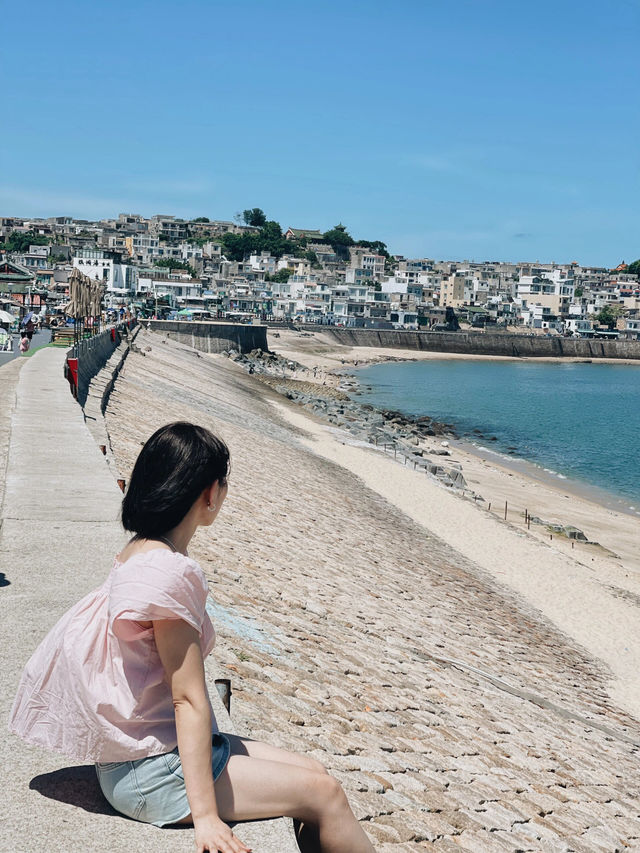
(213, 337)
(480, 343)
(93, 354)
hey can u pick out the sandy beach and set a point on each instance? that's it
(473, 684)
(317, 348)
(604, 573)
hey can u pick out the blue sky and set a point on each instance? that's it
(460, 129)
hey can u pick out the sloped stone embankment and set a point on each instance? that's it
(456, 717)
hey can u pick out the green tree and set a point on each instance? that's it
(198, 241)
(201, 219)
(634, 268)
(282, 275)
(19, 241)
(174, 264)
(268, 239)
(608, 315)
(339, 239)
(255, 217)
(376, 246)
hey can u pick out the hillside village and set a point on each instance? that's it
(251, 269)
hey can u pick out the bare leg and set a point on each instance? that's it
(266, 752)
(306, 833)
(252, 788)
(262, 781)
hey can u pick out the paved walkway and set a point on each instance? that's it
(58, 531)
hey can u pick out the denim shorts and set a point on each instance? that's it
(152, 789)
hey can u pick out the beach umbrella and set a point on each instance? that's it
(71, 306)
(5, 317)
(96, 299)
(85, 296)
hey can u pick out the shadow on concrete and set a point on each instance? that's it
(4, 581)
(77, 786)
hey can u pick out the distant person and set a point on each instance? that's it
(25, 343)
(29, 327)
(120, 679)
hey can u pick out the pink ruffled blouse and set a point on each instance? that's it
(95, 688)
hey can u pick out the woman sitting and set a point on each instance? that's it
(120, 679)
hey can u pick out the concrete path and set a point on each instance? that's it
(58, 533)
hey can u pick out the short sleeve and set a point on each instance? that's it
(158, 585)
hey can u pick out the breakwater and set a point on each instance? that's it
(482, 343)
(212, 337)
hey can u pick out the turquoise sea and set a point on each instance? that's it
(578, 421)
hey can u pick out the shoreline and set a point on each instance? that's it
(594, 577)
(537, 473)
(327, 355)
(568, 513)
(587, 590)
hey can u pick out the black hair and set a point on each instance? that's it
(174, 467)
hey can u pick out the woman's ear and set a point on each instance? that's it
(210, 494)
(213, 497)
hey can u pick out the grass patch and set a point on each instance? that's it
(34, 350)
(240, 654)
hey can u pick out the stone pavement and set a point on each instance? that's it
(58, 533)
(457, 717)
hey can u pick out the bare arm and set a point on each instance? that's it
(178, 645)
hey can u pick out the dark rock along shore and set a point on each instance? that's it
(395, 431)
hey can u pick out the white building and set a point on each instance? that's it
(178, 285)
(120, 280)
(539, 317)
(264, 262)
(577, 325)
(555, 289)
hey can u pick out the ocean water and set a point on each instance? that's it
(578, 421)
